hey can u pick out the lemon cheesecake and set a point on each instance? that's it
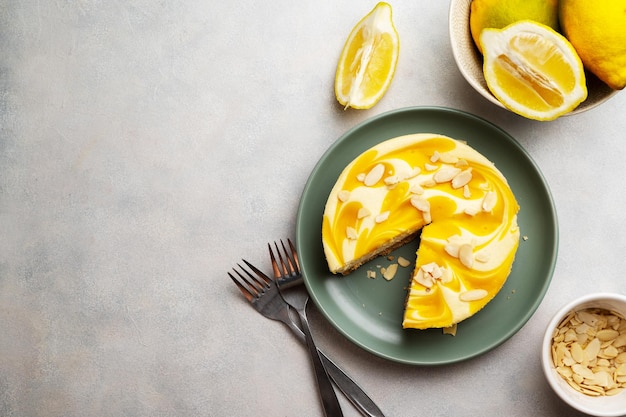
(453, 197)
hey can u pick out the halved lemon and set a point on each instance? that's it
(533, 70)
(368, 60)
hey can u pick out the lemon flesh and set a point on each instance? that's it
(498, 14)
(597, 30)
(533, 70)
(368, 60)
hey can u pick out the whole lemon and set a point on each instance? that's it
(597, 29)
(500, 13)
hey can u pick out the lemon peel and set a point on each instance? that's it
(597, 30)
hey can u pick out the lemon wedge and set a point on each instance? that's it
(368, 60)
(533, 70)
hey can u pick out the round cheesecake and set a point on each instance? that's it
(450, 195)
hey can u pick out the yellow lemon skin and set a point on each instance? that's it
(497, 14)
(597, 29)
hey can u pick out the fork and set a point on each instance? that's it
(326, 389)
(287, 274)
(263, 293)
(352, 391)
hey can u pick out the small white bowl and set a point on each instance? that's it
(470, 61)
(604, 406)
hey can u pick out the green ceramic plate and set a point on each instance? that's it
(369, 311)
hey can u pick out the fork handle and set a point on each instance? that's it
(327, 392)
(353, 392)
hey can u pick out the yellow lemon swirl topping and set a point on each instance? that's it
(457, 198)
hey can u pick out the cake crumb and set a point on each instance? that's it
(371, 274)
(450, 330)
(525, 237)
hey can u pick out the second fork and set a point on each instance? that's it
(263, 294)
(286, 268)
(327, 392)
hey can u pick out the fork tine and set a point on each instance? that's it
(292, 269)
(287, 264)
(254, 284)
(244, 290)
(294, 254)
(285, 267)
(253, 287)
(267, 280)
(275, 267)
(252, 281)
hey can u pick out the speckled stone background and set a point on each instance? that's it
(147, 146)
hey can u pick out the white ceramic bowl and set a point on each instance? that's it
(470, 61)
(596, 406)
